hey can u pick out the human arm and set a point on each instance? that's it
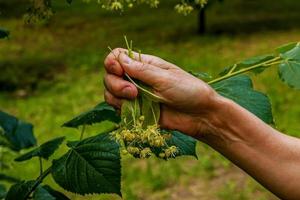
(194, 108)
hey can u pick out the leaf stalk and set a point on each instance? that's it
(267, 63)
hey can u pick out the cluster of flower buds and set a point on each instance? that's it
(185, 7)
(121, 4)
(140, 142)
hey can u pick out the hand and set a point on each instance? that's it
(190, 103)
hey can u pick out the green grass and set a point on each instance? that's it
(65, 60)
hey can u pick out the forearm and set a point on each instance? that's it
(270, 157)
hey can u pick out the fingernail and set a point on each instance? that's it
(125, 59)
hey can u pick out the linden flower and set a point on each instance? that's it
(133, 150)
(171, 151)
(202, 3)
(146, 152)
(162, 155)
(140, 141)
(154, 3)
(116, 5)
(184, 8)
(128, 136)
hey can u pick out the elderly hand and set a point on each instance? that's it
(190, 103)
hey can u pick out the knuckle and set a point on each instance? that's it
(141, 67)
(112, 84)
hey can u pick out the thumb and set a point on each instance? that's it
(147, 73)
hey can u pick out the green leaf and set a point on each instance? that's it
(286, 47)
(289, 68)
(3, 33)
(18, 133)
(44, 150)
(69, 1)
(2, 191)
(100, 113)
(186, 145)
(42, 194)
(19, 191)
(248, 63)
(293, 54)
(240, 90)
(289, 72)
(58, 195)
(91, 166)
(5, 177)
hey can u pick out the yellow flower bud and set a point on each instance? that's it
(162, 155)
(145, 153)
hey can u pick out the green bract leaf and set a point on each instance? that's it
(18, 133)
(2, 191)
(240, 90)
(130, 112)
(150, 111)
(286, 47)
(4, 177)
(45, 150)
(186, 145)
(19, 191)
(42, 194)
(3, 33)
(100, 113)
(249, 62)
(91, 166)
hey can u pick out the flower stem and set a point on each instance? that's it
(271, 62)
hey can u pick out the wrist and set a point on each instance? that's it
(218, 124)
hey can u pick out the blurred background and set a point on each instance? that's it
(51, 71)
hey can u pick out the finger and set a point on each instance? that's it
(153, 60)
(112, 64)
(119, 87)
(112, 100)
(145, 72)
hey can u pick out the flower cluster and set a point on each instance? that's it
(185, 7)
(121, 4)
(143, 142)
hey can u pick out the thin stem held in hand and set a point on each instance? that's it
(268, 63)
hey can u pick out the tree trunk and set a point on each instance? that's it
(201, 21)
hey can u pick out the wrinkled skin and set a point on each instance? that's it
(188, 101)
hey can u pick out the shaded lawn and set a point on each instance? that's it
(69, 52)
